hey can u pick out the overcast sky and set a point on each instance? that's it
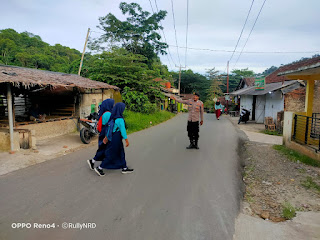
(286, 25)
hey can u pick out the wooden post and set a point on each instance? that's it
(179, 78)
(309, 98)
(10, 115)
(84, 50)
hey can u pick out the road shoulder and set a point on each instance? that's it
(272, 180)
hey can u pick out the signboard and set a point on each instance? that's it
(215, 99)
(260, 83)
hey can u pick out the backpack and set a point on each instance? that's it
(109, 130)
(99, 124)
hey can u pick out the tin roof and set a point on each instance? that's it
(268, 88)
(277, 75)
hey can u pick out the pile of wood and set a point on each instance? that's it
(269, 124)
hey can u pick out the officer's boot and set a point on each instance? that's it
(191, 144)
(196, 144)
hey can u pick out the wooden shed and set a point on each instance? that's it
(62, 97)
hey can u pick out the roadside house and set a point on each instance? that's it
(302, 129)
(62, 97)
(267, 102)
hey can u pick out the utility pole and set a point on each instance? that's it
(228, 78)
(179, 77)
(228, 86)
(84, 50)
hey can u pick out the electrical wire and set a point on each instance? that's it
(252, 52)
(250, 33)
(175, 31)
(242, 31)
(164, 36)
(185, 61)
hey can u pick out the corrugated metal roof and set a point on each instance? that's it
(301, 69)
(276, 76)
(268, 88)
(28, 77)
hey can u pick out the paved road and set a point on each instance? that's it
(174, 193)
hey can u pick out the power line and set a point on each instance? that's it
(241, 31)
(164, 35)
(185, 61)
(159, 32)
(250, 33)
(175, 31)
(151, 6)
(253, 52)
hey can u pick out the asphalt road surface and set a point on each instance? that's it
(173, 194)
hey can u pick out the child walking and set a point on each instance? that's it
(104, 117)
(114, 157)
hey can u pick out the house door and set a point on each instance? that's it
(254, 103)
(260, 108)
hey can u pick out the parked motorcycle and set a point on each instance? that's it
(244, 116)
(90, 127)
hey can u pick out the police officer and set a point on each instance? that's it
(195, 107)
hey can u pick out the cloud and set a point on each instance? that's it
(287, 25)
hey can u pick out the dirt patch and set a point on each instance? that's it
(272, 180)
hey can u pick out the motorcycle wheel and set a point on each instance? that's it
(85, 136)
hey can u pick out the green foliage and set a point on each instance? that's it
(28, 50)
(138, 102)
(243, 72)
(191, 82)
(288, 211)
(234, 78)
(138, 33)
(136, 121)
(216, 83)
(275, 133)
(269, 70)
(209, 104)
(309, 183)
(296, 156)
(124, 69)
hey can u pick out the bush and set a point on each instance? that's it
(138, 102)
(288, 211)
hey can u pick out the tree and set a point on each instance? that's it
(216, 82)
(7, 50)
(191, 82)
(124, 69)
(28, 50)
(137, 34)
(269, 70)
(243, 72)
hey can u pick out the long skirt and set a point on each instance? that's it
(114, 154)
(101, 149)
(218, 113)
(101, 146)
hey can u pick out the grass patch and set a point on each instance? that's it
(296, 156)
(288, 211)
(309, 183)
(136, 121)
(275, 133)
(248, 170)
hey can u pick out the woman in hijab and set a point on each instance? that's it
(104, 116)
(218, 107)
(114, 154)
